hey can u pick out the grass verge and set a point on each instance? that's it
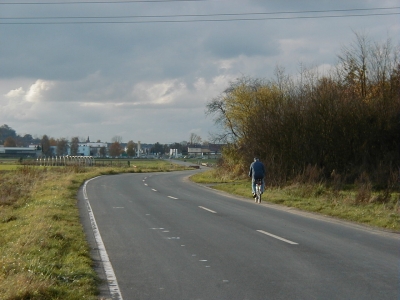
(317, 198)
(43, 250)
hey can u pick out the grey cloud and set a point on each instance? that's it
(241, 41)
(151, 81)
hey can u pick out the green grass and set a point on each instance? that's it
(43, 250)
(7, 164)
(8, 167)
(44, 254)
(318, 199)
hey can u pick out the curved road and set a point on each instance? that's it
(159, 236)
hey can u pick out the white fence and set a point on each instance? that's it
(66, 160)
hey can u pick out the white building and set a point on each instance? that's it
(90, 149)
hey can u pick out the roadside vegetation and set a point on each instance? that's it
(43, 250)
(330, 142)
(355, 203)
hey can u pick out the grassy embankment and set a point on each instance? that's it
(43, 250)
(353, 204)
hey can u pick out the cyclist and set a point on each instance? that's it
(257, 171)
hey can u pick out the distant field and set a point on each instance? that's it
(7, 164)
(8, 167)
(14, 163)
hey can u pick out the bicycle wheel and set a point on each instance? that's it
(258, 193)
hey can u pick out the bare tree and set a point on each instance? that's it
(115, 149)
(354, 63)
(130, 148)
(194, 139)
(53, 141)
(117, 138)
(103, 151)
(74, 146)
(46, 150)
(10, 142)
(62, 146)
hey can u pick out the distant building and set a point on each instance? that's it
(205, 150)
(90, 148)
(19, 151)
(174, 153)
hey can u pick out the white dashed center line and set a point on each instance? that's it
(277, 237)
(207, 209)
(172, 197)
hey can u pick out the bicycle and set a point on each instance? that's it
(258, 190)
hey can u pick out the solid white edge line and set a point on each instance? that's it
(277, 237)
(108, 269)
(202, 207)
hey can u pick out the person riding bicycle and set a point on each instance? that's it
(257, 171)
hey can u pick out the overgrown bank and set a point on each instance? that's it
(43, 250)
(330, 142)
(343, 125)
(353, 203)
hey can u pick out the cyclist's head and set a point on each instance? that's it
(256, 158)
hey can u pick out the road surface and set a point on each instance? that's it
(160, 236)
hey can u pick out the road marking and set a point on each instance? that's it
(117, 207)
(145, 184)
(277, 237)
(154, 190)
(172, 197)
(207, 209)
(108, 269)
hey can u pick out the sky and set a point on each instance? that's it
(145, 70)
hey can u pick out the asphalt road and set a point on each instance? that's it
(163, 237)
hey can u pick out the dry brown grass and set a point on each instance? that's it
(358, 203)
(43, 250)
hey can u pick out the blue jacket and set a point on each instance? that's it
(257, 170)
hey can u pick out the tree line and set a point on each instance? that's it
(342, 126)
(116, 148)
(9, 138)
